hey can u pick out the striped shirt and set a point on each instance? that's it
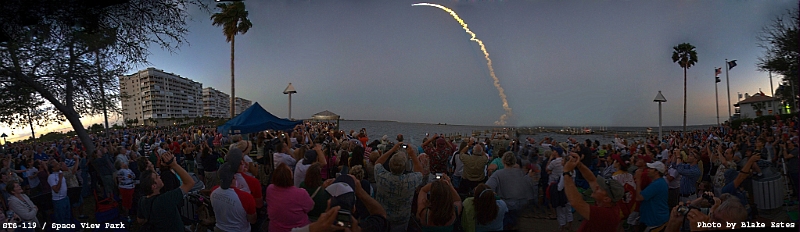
(689, 175)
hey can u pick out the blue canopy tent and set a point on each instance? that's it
(256, 119)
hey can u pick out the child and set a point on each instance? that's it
(125, 182)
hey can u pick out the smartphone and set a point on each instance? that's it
(343, 219)
(439, 175)
(404, 146)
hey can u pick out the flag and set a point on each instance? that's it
(731, 64)
(717, 71)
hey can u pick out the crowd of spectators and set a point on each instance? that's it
(317, 178)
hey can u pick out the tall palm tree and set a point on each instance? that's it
(233, 19)
(685, 55)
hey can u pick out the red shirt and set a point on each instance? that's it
(601, 219)
(254, 185)
(645, 182)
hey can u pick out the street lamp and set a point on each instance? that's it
(659, 98)
(290, 90)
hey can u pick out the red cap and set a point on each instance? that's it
(646, 158)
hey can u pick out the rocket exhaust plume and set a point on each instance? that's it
(502, 120)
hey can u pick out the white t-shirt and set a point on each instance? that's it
(60, 193)
(125, 178)
(300, 172)
(241, 183)
(229, 209)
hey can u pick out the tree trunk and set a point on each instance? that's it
(684, 99)
(30, 121)
(70, 113)
(102, 89)
(233, 88)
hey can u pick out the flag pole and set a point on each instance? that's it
(728, 82)
(772, 91)
(716, 94)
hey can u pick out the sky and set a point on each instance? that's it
(560, 63)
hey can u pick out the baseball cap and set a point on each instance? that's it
(234, 157)
(612, 187)
(342, 193)
(658, 166)
(225, 174)
(646, 158)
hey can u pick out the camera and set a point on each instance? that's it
(709, 198)
(683, 209)
(404, 146)
(439, 176)
(343, 219)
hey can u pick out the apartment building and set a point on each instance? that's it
(242, 104)
(154, 94)
(216, 103)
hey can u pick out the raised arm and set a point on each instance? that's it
(385, 156)
(320, 155)
(573, 196)
(187, 180)
(412, 153)
(745, 171)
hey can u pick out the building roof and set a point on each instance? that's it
(325, 115)
(757, 98)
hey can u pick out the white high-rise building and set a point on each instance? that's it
(242, 104)
(154, 94)
(216, 103)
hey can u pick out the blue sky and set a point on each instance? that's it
(578, 63)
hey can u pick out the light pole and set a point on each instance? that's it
(290, 90)
(659, 98)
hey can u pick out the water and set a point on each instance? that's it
(415, 132)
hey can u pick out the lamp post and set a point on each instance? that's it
(290, 90)
(659, 98)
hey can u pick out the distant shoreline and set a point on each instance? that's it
(448, 124)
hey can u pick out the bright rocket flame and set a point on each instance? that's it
(502, 120)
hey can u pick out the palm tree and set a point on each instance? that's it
(233, 19)
(685, 55)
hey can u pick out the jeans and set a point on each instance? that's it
(510, 219)
(62, 213)
(108, 185)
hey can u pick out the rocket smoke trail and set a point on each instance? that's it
(502, 93)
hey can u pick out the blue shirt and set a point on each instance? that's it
(40, 156)
(655, 203)
(689, 174)
(497, 223)
(729, 188)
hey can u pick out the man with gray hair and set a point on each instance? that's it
(512, 189)
(474, 166)
(395, 189)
